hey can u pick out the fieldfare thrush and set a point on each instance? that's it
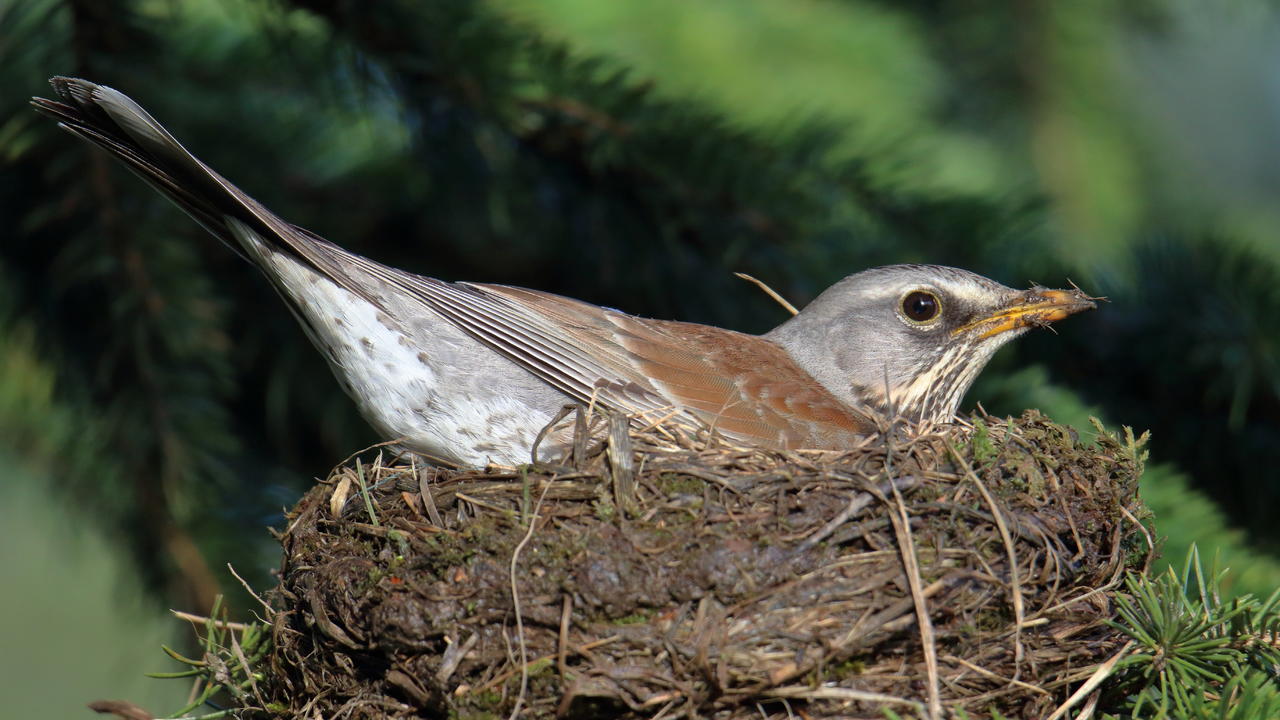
(470, 373)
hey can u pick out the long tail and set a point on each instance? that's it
(114, 122)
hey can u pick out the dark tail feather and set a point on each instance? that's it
(114, 122)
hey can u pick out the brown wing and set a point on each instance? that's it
(744, 386)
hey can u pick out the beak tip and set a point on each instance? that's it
(1070, 301)
(1050, 306)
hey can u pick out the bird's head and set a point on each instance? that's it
(908, 340)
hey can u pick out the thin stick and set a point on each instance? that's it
(806, 692)
(248, 671)
(1138, 524)
(1086, 712)
(562, 659)
(201, 619)
(515, 602)
(428, 500)
(907, 548)
(453, 657)
(995, 676)
(769, 291)
(1103, 671)
(245, 585)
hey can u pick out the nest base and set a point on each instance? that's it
(659, 575)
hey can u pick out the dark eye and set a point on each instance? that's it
(920, 306)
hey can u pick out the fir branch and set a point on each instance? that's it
(1197, 655)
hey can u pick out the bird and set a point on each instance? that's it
(470, 374)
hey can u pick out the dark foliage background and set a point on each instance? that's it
(632, 156)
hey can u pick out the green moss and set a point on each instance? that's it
(845, 669)
(371, 581)
(992, 619)
(401, 540)
(639, 617)
(677, 484)
(541, 667)
(983, 449)
(481, 705)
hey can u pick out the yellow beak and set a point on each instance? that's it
(1036, 307)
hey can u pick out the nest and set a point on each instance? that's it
(659, 574)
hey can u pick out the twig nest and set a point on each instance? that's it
(971, 568)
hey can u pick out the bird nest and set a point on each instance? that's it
(663, 574)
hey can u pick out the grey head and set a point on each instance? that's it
(908, 340)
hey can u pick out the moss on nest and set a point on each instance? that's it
(657, 573)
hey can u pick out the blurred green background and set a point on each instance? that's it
(160, 399)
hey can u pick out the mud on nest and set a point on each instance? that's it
(657, 574)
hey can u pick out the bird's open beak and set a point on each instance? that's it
(1036, 307)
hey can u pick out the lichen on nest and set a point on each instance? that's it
(661, 573)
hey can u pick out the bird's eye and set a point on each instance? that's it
(921, 306)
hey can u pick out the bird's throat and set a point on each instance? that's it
(932, 395)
